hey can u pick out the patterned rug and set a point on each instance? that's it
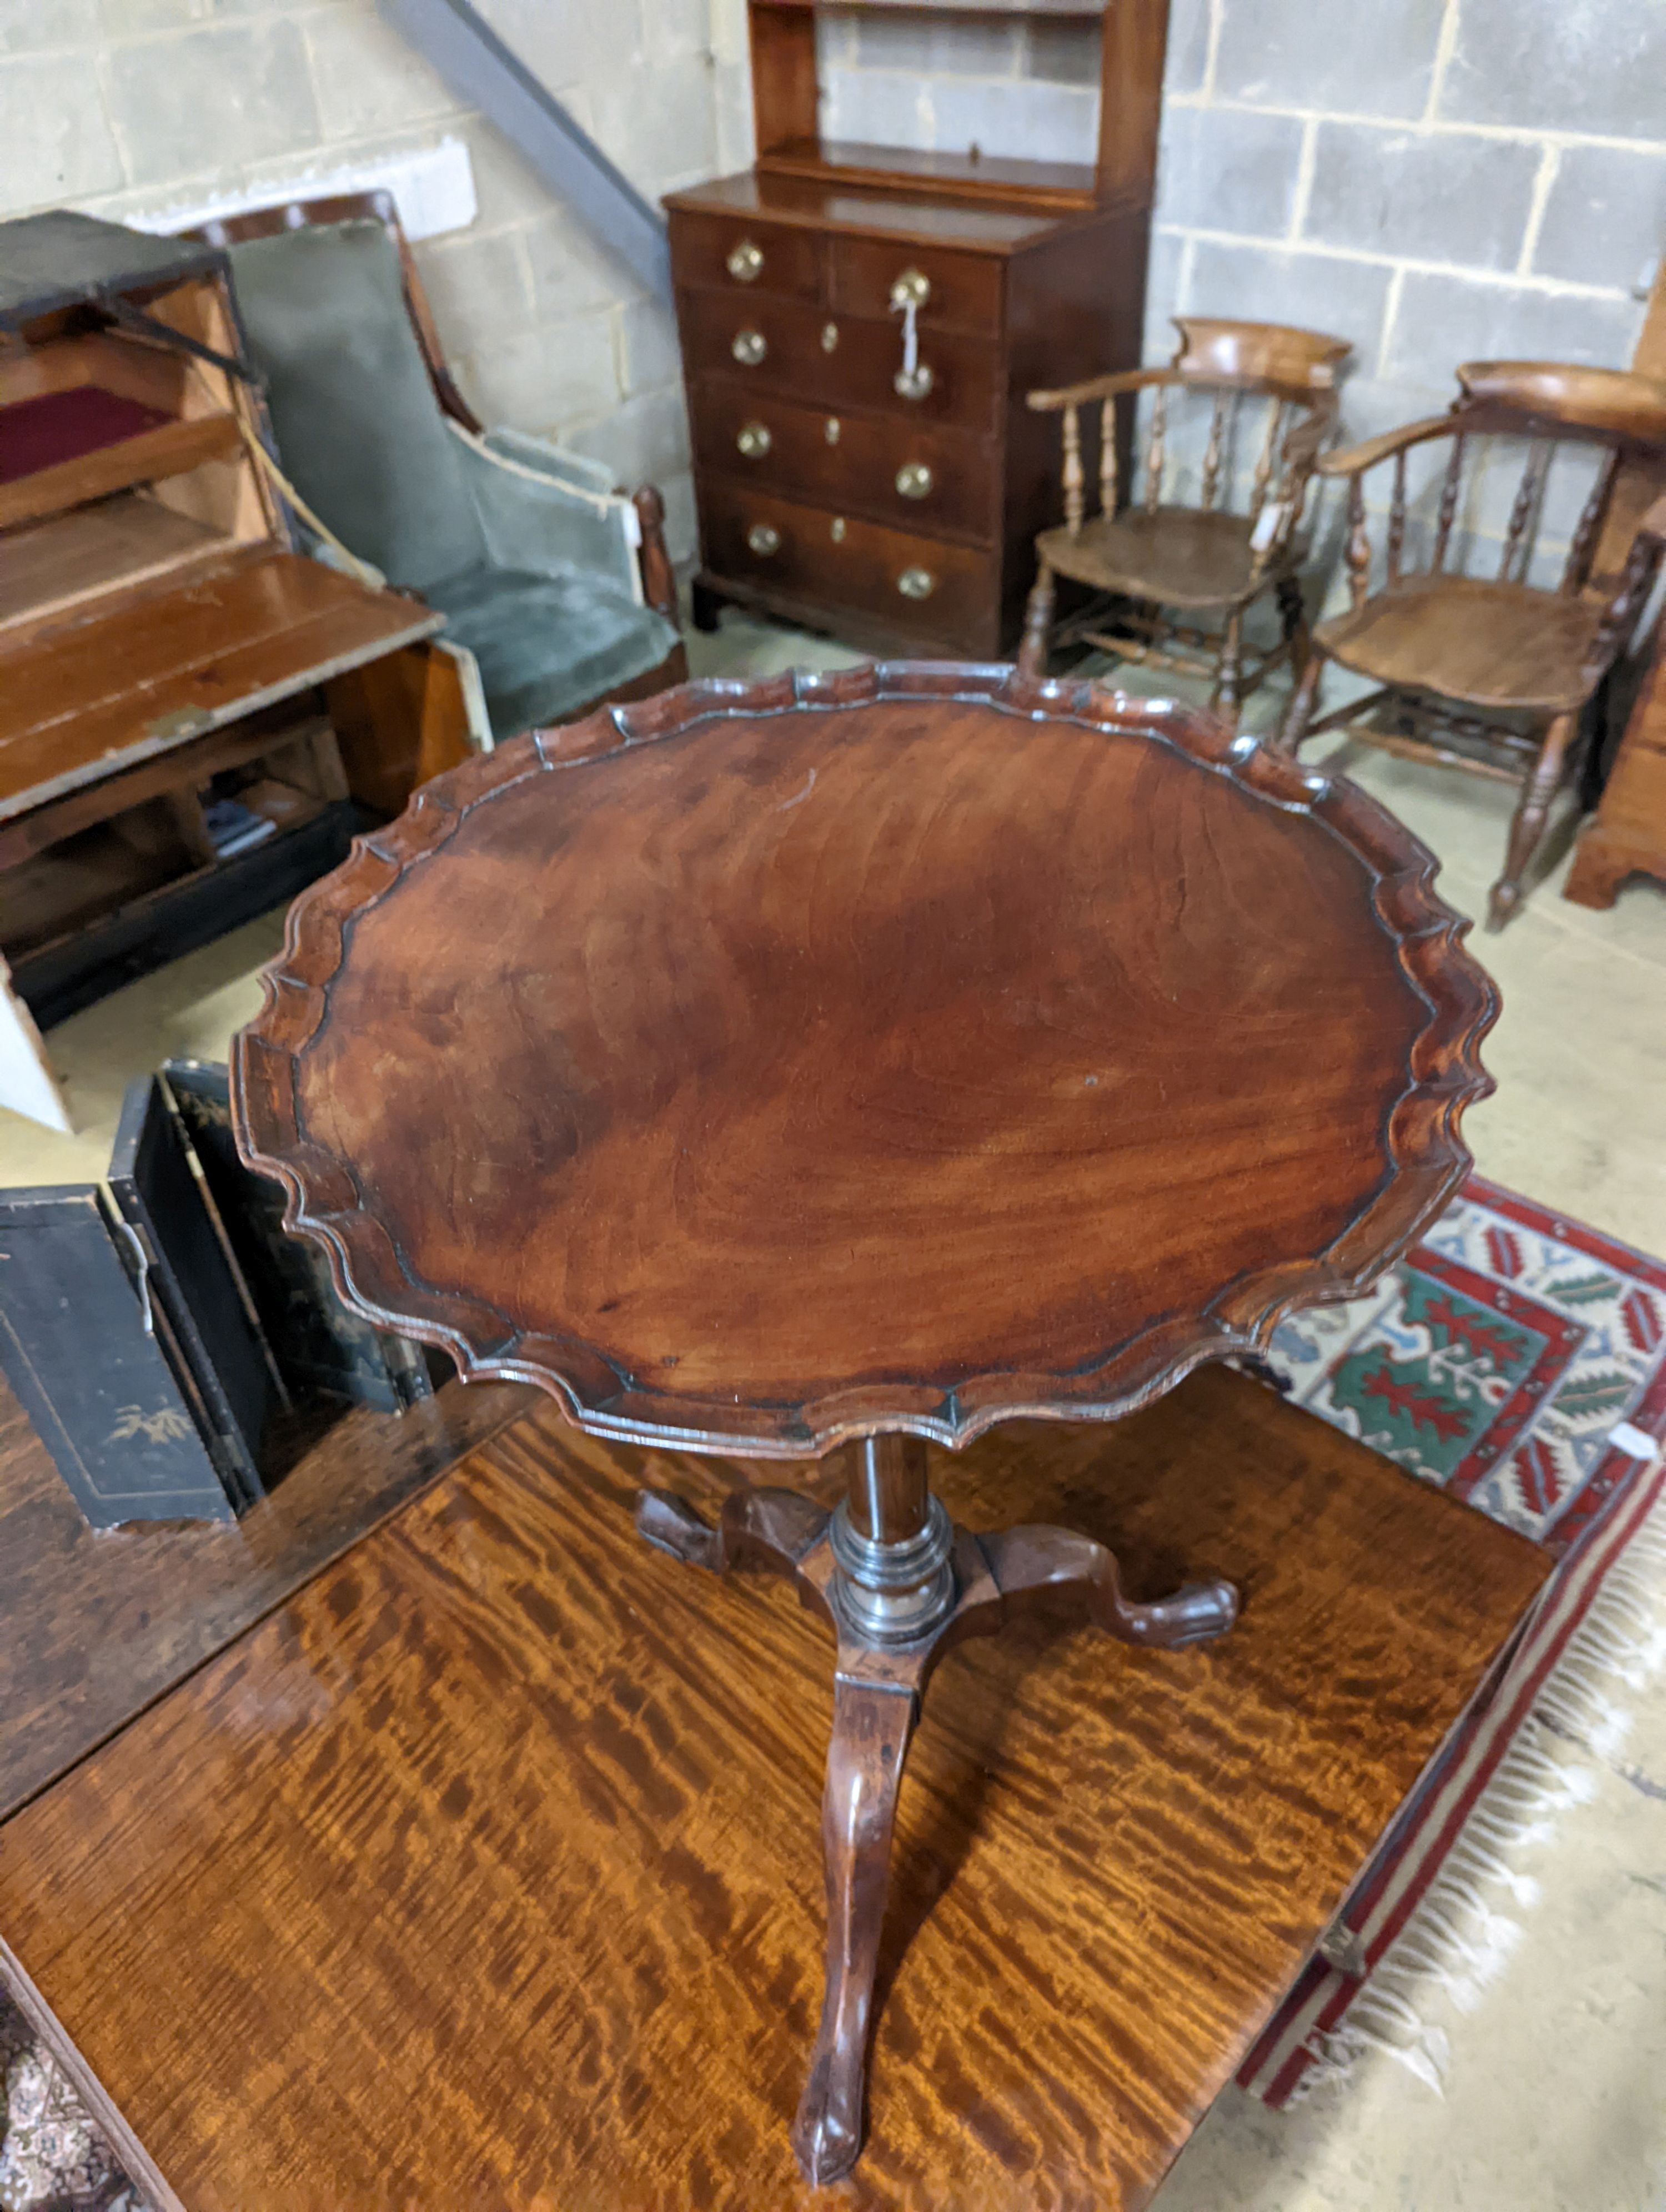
(1517, 1359)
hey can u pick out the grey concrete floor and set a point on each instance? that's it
(1554, 2098)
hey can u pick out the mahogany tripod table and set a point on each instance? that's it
(1060, 1042)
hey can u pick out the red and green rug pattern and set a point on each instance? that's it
(1497, 1360)
(1517, 1359)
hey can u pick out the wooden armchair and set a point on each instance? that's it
(555, 581)
(1141, 562)
(1436, 641)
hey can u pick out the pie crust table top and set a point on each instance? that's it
(1059, 1039)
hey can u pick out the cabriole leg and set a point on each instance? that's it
(873, 1724)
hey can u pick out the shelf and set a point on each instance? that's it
(1065, 185)
(167, 450)
(57, 979)
(1079, 10)
(82, 702)
(52, 566)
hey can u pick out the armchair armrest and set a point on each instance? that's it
(537, 517)
(1301, 447)
(1098, 387)
(557, 462)
(1631, 589)
(1354, 460)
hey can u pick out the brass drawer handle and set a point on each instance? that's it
(912, 383)
(749, 348)
(764, 539)
(754, 440)
(745, 264)
(836, 533)
(913, 288)
(916, 583)
(915, 480)
(831, 430)
(830, 338)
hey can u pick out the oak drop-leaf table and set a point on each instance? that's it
(1058, 1042)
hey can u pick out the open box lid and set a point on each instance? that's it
(62, 260)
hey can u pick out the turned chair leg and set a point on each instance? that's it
(1228, 687)
(1292, 620)
(1038, 624)
(1528, 826)
(872, 1724)
(1299, 713)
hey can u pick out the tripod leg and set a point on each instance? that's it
(871, 1726)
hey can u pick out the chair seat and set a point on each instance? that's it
(1486, 645)
(548, 645)
(1180, 556)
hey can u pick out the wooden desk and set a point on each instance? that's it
(481, 1874)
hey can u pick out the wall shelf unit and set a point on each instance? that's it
(899, 302)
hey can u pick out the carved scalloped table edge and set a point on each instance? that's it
(1428, 1161)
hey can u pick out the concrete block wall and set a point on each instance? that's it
(1433, 179)
(122, 107)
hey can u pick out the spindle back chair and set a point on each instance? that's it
(1524, 660)
(1271, 389)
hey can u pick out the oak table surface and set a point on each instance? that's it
(480, 1874)
(100, 1622)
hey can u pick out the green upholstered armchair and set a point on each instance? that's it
(557, 584)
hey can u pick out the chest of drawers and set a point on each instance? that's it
(890, 493)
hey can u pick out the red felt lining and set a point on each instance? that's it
(60, 426)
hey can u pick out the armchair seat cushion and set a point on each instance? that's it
(1484, 644)
(1180, 556)
(548, 645)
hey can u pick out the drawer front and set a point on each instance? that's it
(730, 253)
(915, 475)
(945, 591)
(962, 291)
(789, 346)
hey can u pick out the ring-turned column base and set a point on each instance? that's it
(896, 1602)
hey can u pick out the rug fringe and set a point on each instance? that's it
(1457, 1942)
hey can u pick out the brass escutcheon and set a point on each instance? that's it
(829, 337)
(912, 289)
(764, 539)
(745, 264)
(915, 480)
(916, 583)
(754, 440)
(837, 531)
(831, 432)
(749, 348)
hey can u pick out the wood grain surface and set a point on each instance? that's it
(99, 1623)
(485, 1871)
(118, 683)
(1054, 1038)
(711, 219)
